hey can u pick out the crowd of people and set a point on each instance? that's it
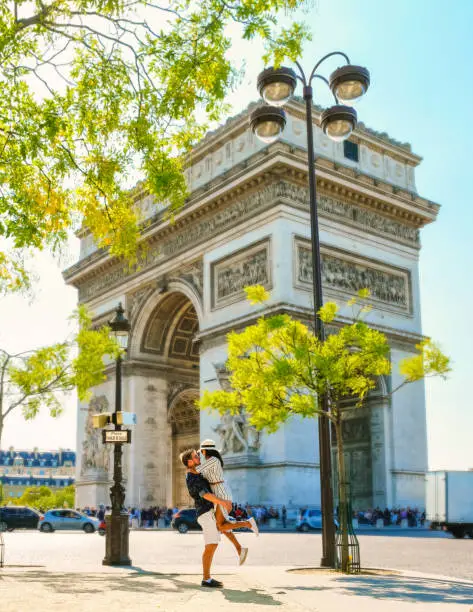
(395, 516)
(262, 514)
(149, 517)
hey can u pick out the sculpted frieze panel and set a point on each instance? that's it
(237, 212)
(95, 454)
(347, 274)
(231, 275)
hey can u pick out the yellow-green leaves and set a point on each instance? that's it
(99, 94)
(38, 379)
(278, 368)
(94, 346)
(430, 361)
(328, 312)
(256, 294)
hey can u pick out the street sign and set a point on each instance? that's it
(110, 436)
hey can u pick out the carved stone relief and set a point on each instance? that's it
(347, 274)
(177, 387)
(184, 415)
(95, 454)
(136, 300)
(239, 211)
(236, 435)
(231, 275)
(193, 274)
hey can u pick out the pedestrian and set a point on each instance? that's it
(284, 517)
(211, 467)
(205, 502)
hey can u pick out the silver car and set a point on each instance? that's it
(311, 519)
(62, 519)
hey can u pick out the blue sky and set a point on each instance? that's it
(419, 54)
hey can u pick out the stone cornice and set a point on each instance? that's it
(215, 336)
(280, 161)
(239, 123)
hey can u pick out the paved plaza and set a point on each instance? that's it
(55, 571)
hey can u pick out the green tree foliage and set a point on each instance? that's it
(279, 368)
(99, 94)
(37, 379)
(45, 498)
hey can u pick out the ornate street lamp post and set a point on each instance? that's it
(117, 532)
(276, 86)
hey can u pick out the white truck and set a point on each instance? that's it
(449, 502)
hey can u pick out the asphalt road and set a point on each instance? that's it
(429, 552)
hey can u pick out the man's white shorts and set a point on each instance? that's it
(209, 527)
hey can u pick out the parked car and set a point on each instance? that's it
(62, 519)
(18, 517)
(311, 519)
(184, 520)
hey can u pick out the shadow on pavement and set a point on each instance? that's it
(138, 580)
(405, 588)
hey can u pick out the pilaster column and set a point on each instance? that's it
(378, 455)
(151, 442)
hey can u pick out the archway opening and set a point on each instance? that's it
(170, 337)
(185, 426)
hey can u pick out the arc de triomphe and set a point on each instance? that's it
(247, 221)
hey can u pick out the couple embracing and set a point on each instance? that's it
(213, 501)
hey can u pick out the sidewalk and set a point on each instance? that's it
(48, 588)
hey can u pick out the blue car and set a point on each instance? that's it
(311, 519)
(64, 519)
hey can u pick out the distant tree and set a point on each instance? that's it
(37, 379)
(279, 368)
(45, 498)
(98, 94)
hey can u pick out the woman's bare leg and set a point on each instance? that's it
(229, 534)
(224, 526)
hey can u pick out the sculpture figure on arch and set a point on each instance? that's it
(237, 435)
(95, 454)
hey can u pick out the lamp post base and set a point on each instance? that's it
(116, 540)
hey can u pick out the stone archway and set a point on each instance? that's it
(185, 426)
(167, 359)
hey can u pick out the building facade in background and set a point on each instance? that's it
(21, 469)
(247, 222)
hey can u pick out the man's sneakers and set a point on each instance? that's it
(254, 526)
(243, 555)
(212, 584)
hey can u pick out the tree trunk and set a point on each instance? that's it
(342, 497)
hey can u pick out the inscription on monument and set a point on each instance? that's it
(231, 275)
(347, 274)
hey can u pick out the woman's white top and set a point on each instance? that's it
(212, 470)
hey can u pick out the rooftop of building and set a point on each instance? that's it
(36, 457)
(361, 128)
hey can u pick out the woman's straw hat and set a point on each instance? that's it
(208, 445)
